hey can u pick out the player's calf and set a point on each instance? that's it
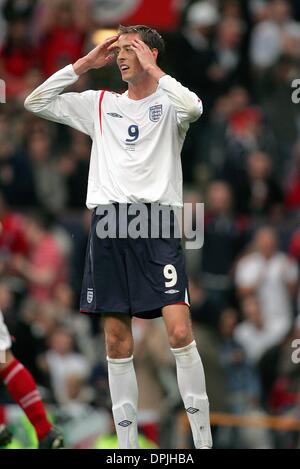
(178, 324)
(118, 337)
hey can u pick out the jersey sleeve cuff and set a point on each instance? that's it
(72, 71)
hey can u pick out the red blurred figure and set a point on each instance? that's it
(292, 192)
(63, 36)
(43, 269)
(17, 57)
(12, 236)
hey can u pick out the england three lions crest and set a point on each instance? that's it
(90, 295)
(155, 112)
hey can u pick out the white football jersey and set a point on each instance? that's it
(136, 147)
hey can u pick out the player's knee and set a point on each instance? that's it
(8, 359)
(180, 336)
(118, 346)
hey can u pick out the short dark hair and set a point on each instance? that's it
(148, 35)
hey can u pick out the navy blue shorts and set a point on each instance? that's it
(136, 277)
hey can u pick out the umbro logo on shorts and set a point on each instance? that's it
(125, 423)
(192, 410)
(172, 292)
(114, 114)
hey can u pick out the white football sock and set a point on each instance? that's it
(124, 397)
(191, 383)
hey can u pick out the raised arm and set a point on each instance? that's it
(97, 58)
(73, 109)
(187, 104)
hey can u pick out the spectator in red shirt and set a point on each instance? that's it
(62, 37)
(12, 236)
(17, 57)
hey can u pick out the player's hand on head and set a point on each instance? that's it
(103, 53)
(145, 55)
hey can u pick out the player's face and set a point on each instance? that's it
(127, 60)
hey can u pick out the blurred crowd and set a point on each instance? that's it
(242, 159)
